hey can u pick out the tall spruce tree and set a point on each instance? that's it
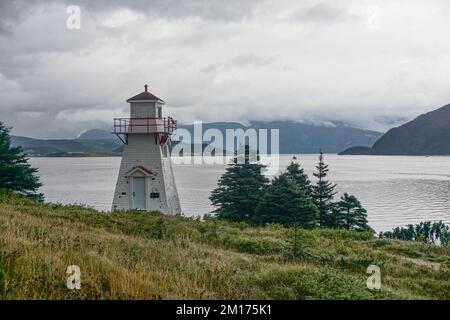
(239, 189)
(16, 174)
(349, 214)
(323, 193)
(284, 203)
(296, 173)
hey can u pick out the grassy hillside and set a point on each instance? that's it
(151, 256)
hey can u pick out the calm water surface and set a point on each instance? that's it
(394, 190)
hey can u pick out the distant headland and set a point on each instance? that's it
(426, 135)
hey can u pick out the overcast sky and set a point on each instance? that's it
(371, 64)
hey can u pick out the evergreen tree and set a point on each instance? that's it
(239, 189)
(296, 244)
(296, 173)
(440, 233)
(323, 193)
(400, 233)
(16, 174)
(284, 203)
(427, 232)
(349, 214)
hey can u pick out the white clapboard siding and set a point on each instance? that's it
(143, 156)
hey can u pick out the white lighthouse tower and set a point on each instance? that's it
(146, 181)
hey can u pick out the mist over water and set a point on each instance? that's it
(395, 190)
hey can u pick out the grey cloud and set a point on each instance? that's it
(249, 59)
(220, 61)
(231, 10)
(12, 12)
(48, 126)
(322, 13)
(390, 120)
(240, 61)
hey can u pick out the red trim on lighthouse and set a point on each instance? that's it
(143, 169)
(149, 171)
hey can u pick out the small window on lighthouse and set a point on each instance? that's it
(159, 112)
(154, 195)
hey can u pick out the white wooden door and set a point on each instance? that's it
(139, 193)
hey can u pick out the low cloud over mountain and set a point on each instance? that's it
(349, 61)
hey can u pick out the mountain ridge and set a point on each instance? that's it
(426, 135)
(295, 137)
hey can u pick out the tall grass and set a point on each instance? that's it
(135, 255)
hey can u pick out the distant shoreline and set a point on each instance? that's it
(76, 156)
(298, 155)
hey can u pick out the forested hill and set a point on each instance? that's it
(294, 138)
(428, 134)
(67, 147)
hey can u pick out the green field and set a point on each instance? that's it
(135, 255)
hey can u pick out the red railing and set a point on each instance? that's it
(144, 125)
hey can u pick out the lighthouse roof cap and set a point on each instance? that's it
(145, 96)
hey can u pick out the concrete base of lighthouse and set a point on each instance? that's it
(146, 181)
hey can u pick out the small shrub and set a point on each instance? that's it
(296, 244)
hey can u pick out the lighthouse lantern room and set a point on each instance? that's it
(146, 181)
